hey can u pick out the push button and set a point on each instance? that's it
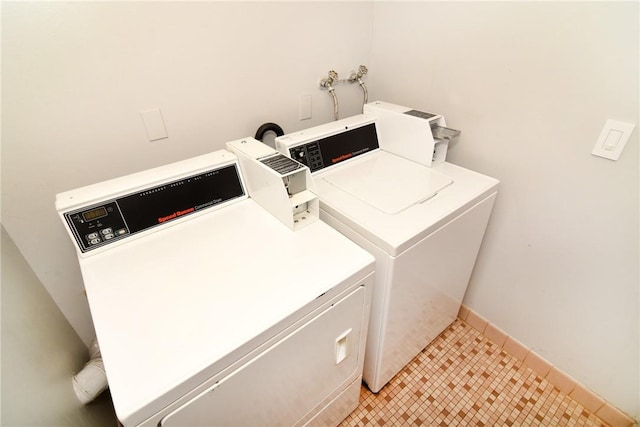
(92, 236)
(107, 231)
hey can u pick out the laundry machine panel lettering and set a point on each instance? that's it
(336, 148)
(130, 214)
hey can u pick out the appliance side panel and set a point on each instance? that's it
(428, 284)
(417, 294)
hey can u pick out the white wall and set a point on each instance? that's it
(76, 75)
(531, 85)
(40, 353)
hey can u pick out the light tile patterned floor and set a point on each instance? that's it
(463, 379)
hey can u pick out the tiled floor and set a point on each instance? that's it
(463, 379)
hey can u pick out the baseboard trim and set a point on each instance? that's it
(559, 379)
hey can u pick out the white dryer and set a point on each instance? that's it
(208, 310)
(423, 224)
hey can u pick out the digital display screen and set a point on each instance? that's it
(94, 213)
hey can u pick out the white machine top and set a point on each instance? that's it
(390, 200)
(363, 180)
(179, 303)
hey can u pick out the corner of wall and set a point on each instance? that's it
(546, 370)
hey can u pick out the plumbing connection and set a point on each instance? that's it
(355, 77)
(328, 84)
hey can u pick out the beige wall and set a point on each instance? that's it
(75, 76)
(40, 353)
(531, 85)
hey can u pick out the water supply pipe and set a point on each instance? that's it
(328, 84)
(362, 70)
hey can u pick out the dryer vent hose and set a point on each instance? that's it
(92, 379)
(268, 128)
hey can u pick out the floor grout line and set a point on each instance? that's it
(464, 379)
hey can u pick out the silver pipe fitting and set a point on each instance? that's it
(328, 84)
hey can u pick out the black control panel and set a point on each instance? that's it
(337, 148)
(112, 220)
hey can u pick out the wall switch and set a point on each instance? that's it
(305, 107)
(612, 139)
(153, 124)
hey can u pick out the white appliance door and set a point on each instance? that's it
(274, 389)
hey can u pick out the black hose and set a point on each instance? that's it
(268, 127)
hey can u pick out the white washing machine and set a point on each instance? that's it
(208, 310)
(423, 224)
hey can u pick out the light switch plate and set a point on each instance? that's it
(154, 124)
(305, 107)
(612, 139)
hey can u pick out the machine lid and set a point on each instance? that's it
(389, 183)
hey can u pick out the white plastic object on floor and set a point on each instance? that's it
(90, 381)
